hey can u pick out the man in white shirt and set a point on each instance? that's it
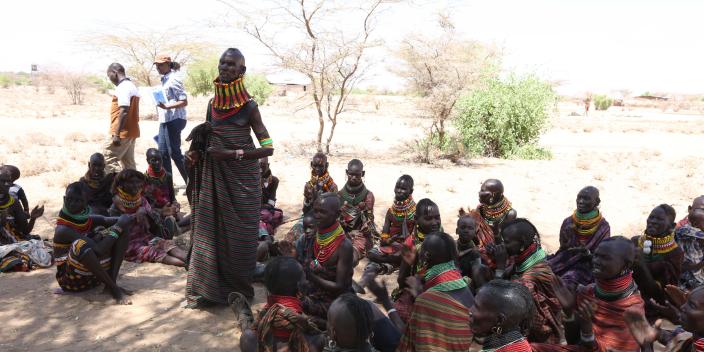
(124, 121)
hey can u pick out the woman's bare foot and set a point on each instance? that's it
(120, 297)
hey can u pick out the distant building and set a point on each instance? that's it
(288, 81)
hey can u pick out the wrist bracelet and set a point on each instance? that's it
(239, 154)
(114, 234)
(586, 338)
(391, 311)
(117, 229)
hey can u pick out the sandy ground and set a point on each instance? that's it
(637, 158)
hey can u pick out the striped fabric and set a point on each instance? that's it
(610, 330)
(226, 204)
(547, 322)
(438, 322)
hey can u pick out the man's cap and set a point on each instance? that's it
(160, 59)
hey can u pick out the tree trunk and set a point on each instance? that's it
(332, 132)
(321, 122)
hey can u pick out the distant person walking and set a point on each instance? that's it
(172, 114)
(124, 121)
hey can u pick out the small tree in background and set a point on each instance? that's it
(440, 69)
(602, 102)
(136, 50)
(325, 40)
(74, 84)
(505, 117)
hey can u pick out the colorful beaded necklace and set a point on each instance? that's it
(495, 213)
(325, 180)
(10, 201)
(512, 341)
(156, 176)
(405, 209)
(531, 256)
(586, 224)
(128, 203)
(615, 289)
(354, 196)
(656, 247)
(444, 277)
(327, 242)
(81, 222)
(231, 95)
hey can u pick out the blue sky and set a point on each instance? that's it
(594, 45)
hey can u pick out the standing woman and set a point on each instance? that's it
(225, 189)
(172, 114)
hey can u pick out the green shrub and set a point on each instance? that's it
(5, 80)
(201, 73)
(531, 152)
(602, 102)
(503, 115)
(258, 87)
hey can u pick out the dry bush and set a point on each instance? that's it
(74, 84)
(41, 139)
(582, 163)
(75, 137)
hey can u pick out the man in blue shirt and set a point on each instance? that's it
(172, 115)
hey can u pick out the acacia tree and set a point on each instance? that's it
(440, 69)
(325, 40)
(137, 49)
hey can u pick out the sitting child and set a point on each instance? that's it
(159, 192)
(148, 241)
(270, 216)
(16, 190)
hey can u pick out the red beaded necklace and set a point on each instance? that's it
(327, 242)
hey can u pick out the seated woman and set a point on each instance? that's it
(320, 182)
(270, 216)
(329, 274)
(19, 250)
(690, 238)
(580, 235)
(427, 221)
(501, 316)
(98, 185)
(659, 259)
(159, 192)
(282, 324)
(687, 338)
(147, 238)
(87, 254)
(493, 210)
(595, 314)
(438, 317)
(358, 210)
(522, 242)
(399, 223)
